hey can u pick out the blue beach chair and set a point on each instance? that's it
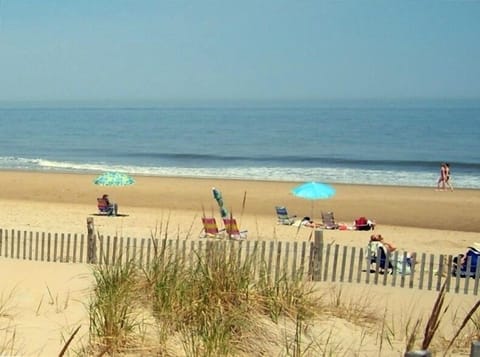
(465, 265)
(283, 217)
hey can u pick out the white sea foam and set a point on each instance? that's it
(323, 174)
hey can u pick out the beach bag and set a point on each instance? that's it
(361, 224)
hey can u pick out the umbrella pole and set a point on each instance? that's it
(313, 211)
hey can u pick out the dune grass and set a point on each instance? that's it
(211, 302)
(7, 327)
(216, 303)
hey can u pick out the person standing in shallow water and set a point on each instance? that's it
(447, 176)
(442, 179)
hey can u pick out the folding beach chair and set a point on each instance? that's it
(210, 229)
(376, 254)
(232, 229)
(465, 265)
(384, 262)
(328, 220)
(283, 217)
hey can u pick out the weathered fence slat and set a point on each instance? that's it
(18, 245)
(149, 250)
(75, 242)
(352, 264)
(62, 245)
(440, 272)
(55, 246)
(467, 278)
(430, 272)
(303, 256)
(120, 251)
(294, 261)
(477, 279)
(107, 251)
(30, 252)
(1, 241)
(327, 260)
(82, 241)
(422, 270)
(24, 253)
(101, 256)
(394, 271)
(286, 257)
(69, 239)
(114, 250)
(269, 263)
(360, 261)
(277, 261)
(335, 262)
(343, 263)
(49, 247)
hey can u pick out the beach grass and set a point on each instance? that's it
(7, 326)
(213, 304)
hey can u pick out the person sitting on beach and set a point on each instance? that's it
(378, 238)
(307, 222)
(112, 206)
(377, 241)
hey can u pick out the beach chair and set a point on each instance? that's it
(232, 229)
(466, 265)
(384, 262)
(210, 229)
(283, 217)
(377, 255)
(328, 220)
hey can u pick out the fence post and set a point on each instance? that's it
(91, 242)
(475, 349)
(421, 353)
(317, 255)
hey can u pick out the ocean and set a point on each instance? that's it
(400, 143)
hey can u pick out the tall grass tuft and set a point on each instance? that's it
(112, 306)
(435, 317)
(7, 328)
(213, 302)
(469, 317)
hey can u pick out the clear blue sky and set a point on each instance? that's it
(236, 50)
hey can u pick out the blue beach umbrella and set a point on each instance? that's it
(218, 197)
(114, 179)
(314, 191)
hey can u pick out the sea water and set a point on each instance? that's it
(360, 142)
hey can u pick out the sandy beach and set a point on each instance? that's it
(415, 219)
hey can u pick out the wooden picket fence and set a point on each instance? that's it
(316, 261)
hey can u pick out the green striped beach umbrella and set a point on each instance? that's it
(218, 197)
(114, 179)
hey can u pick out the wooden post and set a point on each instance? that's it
(475, 349)
(91, 242)
(317, 255)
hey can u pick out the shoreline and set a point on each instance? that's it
(98, 172)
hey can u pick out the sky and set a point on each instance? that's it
(179, 50)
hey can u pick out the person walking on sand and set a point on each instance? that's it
(442, 178)
(447, 176)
